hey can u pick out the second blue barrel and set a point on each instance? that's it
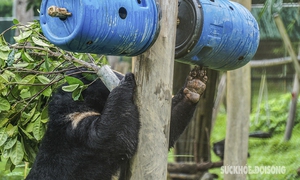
(112, 27)
(218, 34)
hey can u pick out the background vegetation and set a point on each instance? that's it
(272, 151)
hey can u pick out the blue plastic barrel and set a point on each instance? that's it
(112, 27)
(218, 34)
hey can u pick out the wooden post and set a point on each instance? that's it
(287, 43)
(289, 47)
(154, 74)
(238, 114)
(292, 111)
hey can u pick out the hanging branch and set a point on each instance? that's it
(30, 70)
(104, 72)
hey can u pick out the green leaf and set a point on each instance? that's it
(39, 42)
(20, 65)
(22, 36)
(46, 63)
(4, 48)
(47, 92)
(15, 21)
(27, 80)
(8, 74)
(3, 136)
(4, 55)
(17, 153)
(31, 153)
(70, 88)
(10, 143)
(43, 79)
(27, 134)
(27, 57)
(2, 40)
(76, 95)
(28, 116)
(89, 76)
(3, 79)
(38, 129)
(3, 122)
(6, 153)
(11, 130)
(25, 93)
(9, 165)
(4, 104)
(18, 55)
(72, 80)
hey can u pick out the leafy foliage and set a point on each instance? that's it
(30, 70)
(273, 115)
(6, 8)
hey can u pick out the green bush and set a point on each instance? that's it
(6, 8)
(273, 115)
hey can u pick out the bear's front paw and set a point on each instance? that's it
(195, 84)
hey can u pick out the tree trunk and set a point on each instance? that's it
(20, 12)
(154, 74)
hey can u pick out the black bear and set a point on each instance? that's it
(91, 139)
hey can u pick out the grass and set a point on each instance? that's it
(265, 152)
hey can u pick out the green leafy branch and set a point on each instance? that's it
(31, 68)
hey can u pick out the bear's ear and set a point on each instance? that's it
(76, 117)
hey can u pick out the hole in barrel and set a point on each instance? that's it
(231, 7)
(89, 42)
(139, 1)
(63, 18)
(122, 13)
(241, 58)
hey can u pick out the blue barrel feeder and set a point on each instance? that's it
(111, 27)
(218, 34)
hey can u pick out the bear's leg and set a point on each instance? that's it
(185, 101)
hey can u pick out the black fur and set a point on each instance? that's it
(104, 135)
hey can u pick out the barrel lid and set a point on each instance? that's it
(189, 26)
(61, 30)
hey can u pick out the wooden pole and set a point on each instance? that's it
(292, 111)
(289, 47)
(271, 62)
(238, 114)
(154, 75)
(287, 43)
